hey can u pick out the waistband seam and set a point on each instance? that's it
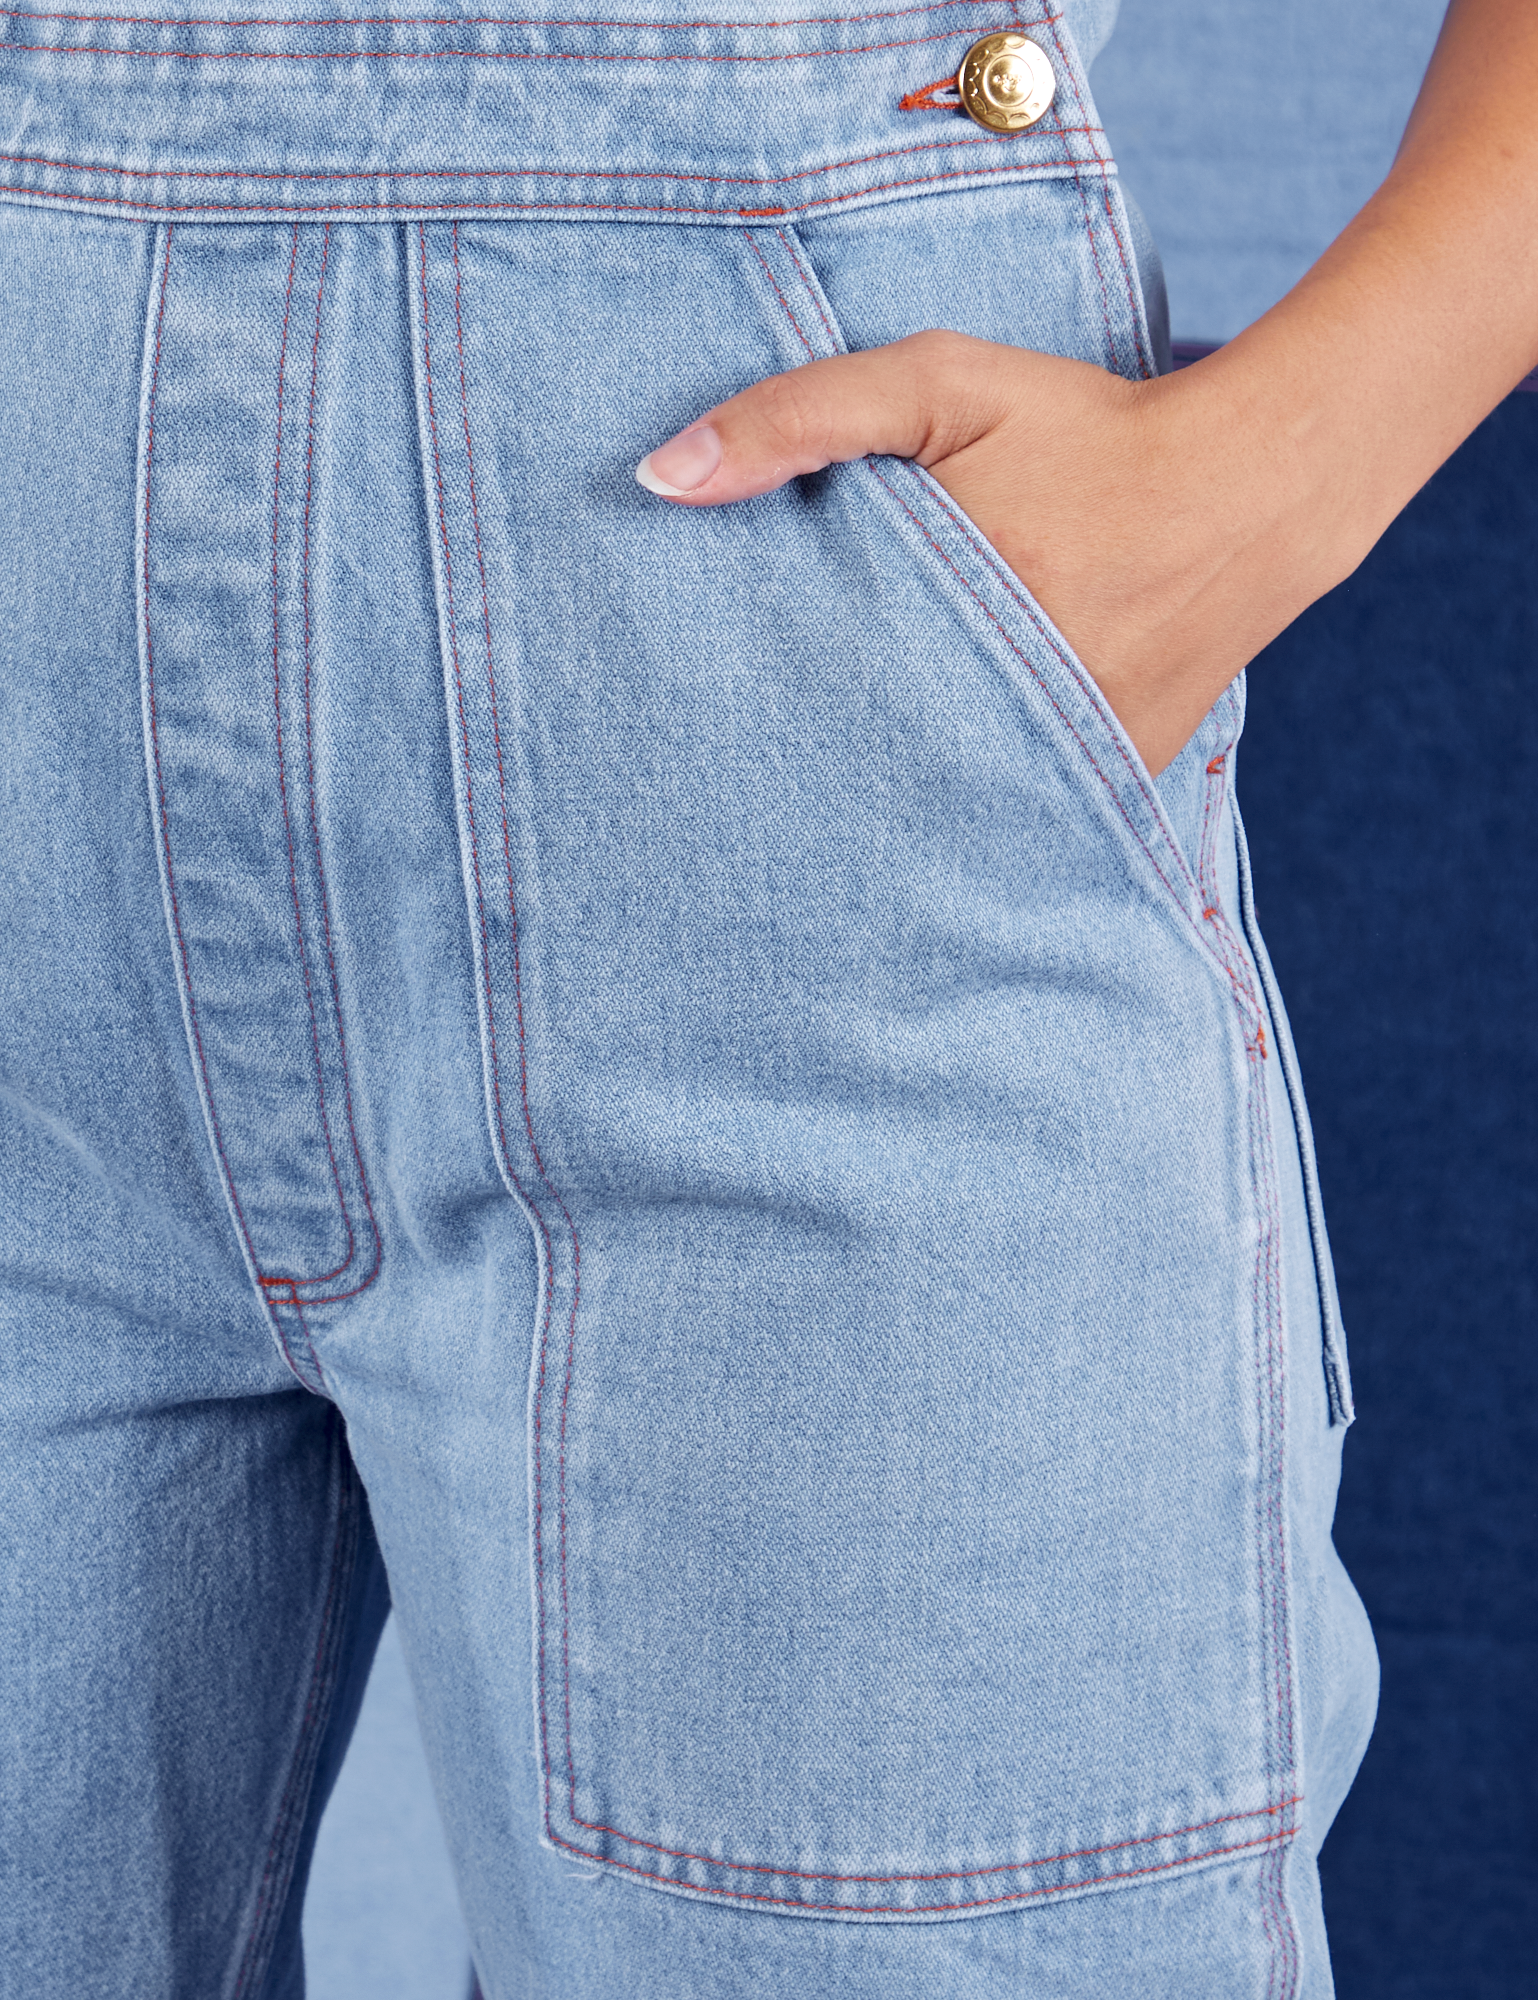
(385, 211)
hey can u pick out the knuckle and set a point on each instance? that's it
(794, 415)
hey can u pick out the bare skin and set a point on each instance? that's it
(1195, 516)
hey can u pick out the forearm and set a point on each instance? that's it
(1422, 314)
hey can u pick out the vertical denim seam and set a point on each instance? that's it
(1145, 368)
(812, 289)
(1270, 1378)
(493, 1063)
(523, 1072)
(277, 706)
(1332, 1344)
(1089, 220)
(811, 352)
(309, 760)
(288, 1822)
(267, 1282)
(158, 774)
(323, 1388)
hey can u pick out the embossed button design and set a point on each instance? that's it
(1006, 83)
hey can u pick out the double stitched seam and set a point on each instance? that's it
(1270, 1840)
(811, 352)
(466, 55)
(503, 173)
(469, 20)
(812, 289)
(948, 1874)
(1281, 1934)
(1022, 169)
(283, 1844)
(523, 1065)
(309, 766)
(488, 985)
(1271, 1415)
(1145, 368)
(161, 801)
(271, 1283)
(325, 1277)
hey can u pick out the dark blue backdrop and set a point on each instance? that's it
(1389, 780)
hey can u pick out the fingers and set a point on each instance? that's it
(925, 397)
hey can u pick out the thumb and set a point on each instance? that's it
(925, 397)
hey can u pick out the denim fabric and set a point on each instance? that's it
(694, 1036)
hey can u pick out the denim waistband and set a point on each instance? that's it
(399, 116)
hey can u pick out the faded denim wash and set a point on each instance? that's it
(666, 1080)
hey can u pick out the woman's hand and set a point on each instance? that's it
(1171, 528)
(1153, 544)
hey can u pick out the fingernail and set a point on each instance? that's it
(681, 465)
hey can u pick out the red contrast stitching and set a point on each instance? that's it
(1016, 168)
(270, 1282)
(813, 290)
(525, 1197)
(455, 55)
(924, 98)
(288, 826)
(1011, 585)
(1144, 367)
(160, 787)
(1180, 900)
(811, 353)
(501, 173)
(954, 1874)
(309, 762)
(1270, 1410)
(926, 1909)
(512, 910)
(480, 20)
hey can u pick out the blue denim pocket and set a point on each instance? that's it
(906, 1403)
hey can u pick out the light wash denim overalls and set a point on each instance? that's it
(681, 1052)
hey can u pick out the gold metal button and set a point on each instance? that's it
(1006, 82)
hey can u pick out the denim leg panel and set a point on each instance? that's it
(888, 1105)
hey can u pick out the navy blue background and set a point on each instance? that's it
(1389, 781)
